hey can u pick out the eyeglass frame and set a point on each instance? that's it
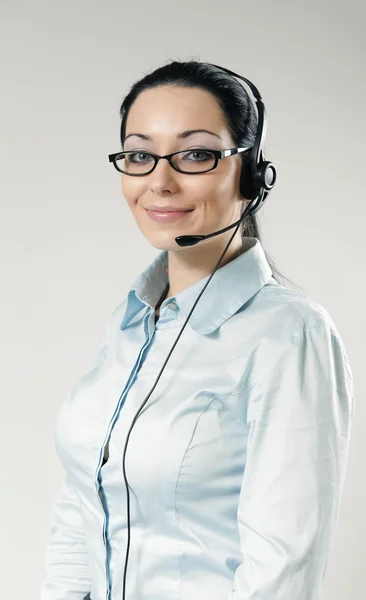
(218, 154)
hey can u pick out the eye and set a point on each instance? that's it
(205, 156)
(135, 157)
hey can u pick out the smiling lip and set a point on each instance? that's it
(166, 216)
(161, 209)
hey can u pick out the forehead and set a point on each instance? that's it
(169, 109)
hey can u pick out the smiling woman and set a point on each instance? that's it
(236, 465)
(187, 106)
(186, 126)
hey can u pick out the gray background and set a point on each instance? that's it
(70, 248)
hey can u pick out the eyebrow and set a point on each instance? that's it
(180, 136)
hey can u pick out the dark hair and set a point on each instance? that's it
(239, 111)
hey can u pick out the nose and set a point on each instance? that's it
(163, 177)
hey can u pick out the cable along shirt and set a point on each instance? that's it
(237, 462)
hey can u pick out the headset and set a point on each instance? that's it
(256, 182)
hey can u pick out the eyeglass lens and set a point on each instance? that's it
(192, 161)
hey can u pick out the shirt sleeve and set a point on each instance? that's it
(66, 565)
(299, 418)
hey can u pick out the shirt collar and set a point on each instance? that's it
(229, 289)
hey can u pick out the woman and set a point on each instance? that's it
(236, 464)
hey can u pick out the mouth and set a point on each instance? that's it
(167, 216)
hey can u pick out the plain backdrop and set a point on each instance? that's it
(70, 247)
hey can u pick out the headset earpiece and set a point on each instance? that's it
(265, 176)
(256, 178)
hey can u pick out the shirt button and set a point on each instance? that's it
(172, 306)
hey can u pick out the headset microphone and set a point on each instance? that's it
(259, 178)
(191, 240)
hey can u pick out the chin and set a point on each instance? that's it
(168, 246)
(164, 242)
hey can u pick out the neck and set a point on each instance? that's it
(189, 266)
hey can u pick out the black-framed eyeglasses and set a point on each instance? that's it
(130, 162)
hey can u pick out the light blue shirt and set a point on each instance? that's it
(236, 464)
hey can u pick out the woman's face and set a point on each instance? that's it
(213, 197)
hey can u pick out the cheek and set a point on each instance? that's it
(218, 194)
(219, 188)
(209, 185)
(130, 190)
(225, 180)
(125, 186)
